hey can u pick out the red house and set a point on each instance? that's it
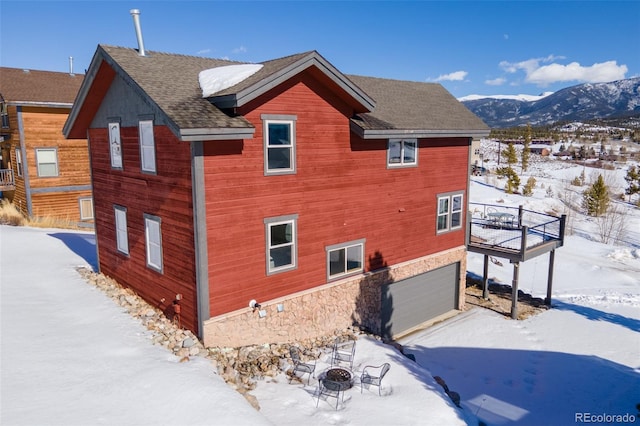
(276, 201)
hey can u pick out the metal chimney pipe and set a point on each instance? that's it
(135, 13)
(71, 65)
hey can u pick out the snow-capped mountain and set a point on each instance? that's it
(581, 102)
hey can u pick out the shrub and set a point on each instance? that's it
(550, 191)
(527, 190)
(10, 215)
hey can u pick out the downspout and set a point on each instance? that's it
(95, 225)
(200, 235)
(25, 162)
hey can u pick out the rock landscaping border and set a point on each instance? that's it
(239, 367)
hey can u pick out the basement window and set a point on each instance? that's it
(86, 208)
(345, 259)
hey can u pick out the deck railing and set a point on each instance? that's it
(7, 182)
(512, 228)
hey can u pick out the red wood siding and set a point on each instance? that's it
(342, 191)
(166, 195)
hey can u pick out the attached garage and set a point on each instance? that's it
(416, 300)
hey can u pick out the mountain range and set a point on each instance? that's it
(576, 103)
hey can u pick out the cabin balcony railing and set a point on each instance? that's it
(514, 232)
(7, 183)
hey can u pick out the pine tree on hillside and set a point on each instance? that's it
(633, 180)
(596, 198)
(526, 150)
(510, 154)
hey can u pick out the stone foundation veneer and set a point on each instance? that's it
(325, 309)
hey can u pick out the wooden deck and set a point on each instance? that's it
(516, 234)
(7, 182)
(512, 232)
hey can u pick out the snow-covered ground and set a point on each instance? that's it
(71, 356)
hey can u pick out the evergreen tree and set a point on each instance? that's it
(633, 180)
(527, 190)
(526, 150)
(510, 154)
(596, 198)
(513, 180)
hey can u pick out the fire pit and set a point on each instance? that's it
(340, 376)
(333, 382)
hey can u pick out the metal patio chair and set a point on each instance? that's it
(373, 375)
(299, 365)
(343, 352)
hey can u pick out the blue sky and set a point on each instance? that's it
(479, 47)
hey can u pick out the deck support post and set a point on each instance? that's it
(514, 291)
(520, 212)
(552, 256)
(485, 278)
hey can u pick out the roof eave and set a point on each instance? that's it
(101, 56)
(210, 134)
(41, 104)
(313, 59)
(418, 133)
(90, 75)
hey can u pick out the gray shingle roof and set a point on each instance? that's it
(421, 108)
(32, 86)
(170, 81)
(269, 68)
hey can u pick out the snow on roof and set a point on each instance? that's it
(214, 80)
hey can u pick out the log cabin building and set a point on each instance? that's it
(41, 173)
(276, 201)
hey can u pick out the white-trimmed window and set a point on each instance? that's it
(115, 145)
(345, 259)
(147, 146)
(279, 144)
(122, 236)
(19, 161)
(153, 238)
(402, 153)
(281, 243)
(449, 216)
(47, 162)
(86, 208)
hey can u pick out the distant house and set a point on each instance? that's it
(542, 150)
(41, 173)
(276, 201)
